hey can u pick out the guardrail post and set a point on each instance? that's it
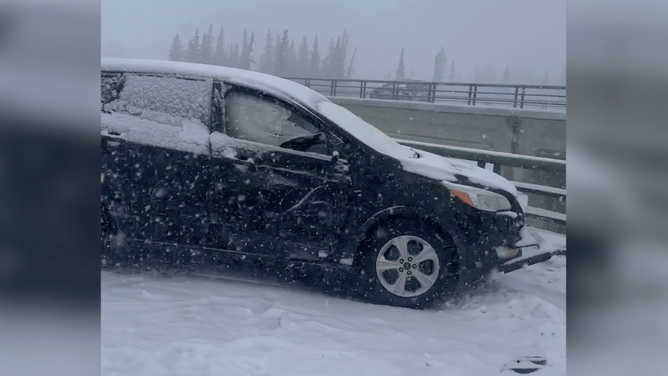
(432, 92)
(517, 91)
(307, 82)
(522, 100)
(470, 94)
(395, 90)
(332, 89)
(362, 89)
(475, 93)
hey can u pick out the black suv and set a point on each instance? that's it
(219, 162)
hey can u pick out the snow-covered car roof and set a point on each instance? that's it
(271, 84)
(425, 164)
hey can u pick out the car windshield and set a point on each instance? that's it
(364, 131)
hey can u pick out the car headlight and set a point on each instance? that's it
(479, 198)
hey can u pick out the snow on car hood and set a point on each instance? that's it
(440, 168)
(416, 161)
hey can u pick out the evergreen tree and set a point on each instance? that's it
(230, 56)
(277, 48)
(250, 51)
(237, 55)
(267, 58)
(337, 69)
(506, 75)
(206, 49)
(401, 70)
(244, 46)
(340, 56)
(452, 72)
(219, 56)
(176, 52)
(328, 64)
(440, 62)
(192, 55)
(314, 60)
(292, 59)
(350, 72)
(246, 59)
(233, 59)
(302, 59)
(334, 65)
(282, 56)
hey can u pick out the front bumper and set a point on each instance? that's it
(530, 249)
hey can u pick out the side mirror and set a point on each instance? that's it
(335, 144)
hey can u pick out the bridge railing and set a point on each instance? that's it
(472, 94)
(554, 197)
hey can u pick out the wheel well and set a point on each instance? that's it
(403, 215)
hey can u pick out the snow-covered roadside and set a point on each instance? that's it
(188, 325)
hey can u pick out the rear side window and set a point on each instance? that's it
(163, 99)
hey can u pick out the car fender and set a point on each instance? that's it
(383, 215)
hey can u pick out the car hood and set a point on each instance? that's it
(413, 160)
(455, 171)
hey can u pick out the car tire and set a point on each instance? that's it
(397, 245)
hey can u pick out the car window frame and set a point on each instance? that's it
(318, 123)
(333, 131)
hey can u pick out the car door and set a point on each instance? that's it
(294, 194)
(155, 156)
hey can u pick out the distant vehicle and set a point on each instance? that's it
(224, 162)
(403, 90)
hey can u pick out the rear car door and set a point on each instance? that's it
(155, 156)
(294, 193)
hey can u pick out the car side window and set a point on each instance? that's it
(163, 99)
(259, 119)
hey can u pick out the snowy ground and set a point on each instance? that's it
(235, 325)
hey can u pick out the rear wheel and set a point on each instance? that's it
(408, 263)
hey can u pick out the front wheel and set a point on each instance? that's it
(408, 264)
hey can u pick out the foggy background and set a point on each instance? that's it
(528, 36)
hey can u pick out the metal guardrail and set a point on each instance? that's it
(472, 94)
(499, 160)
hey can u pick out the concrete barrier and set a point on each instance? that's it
(509, 130)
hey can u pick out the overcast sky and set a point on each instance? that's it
(525, 34)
